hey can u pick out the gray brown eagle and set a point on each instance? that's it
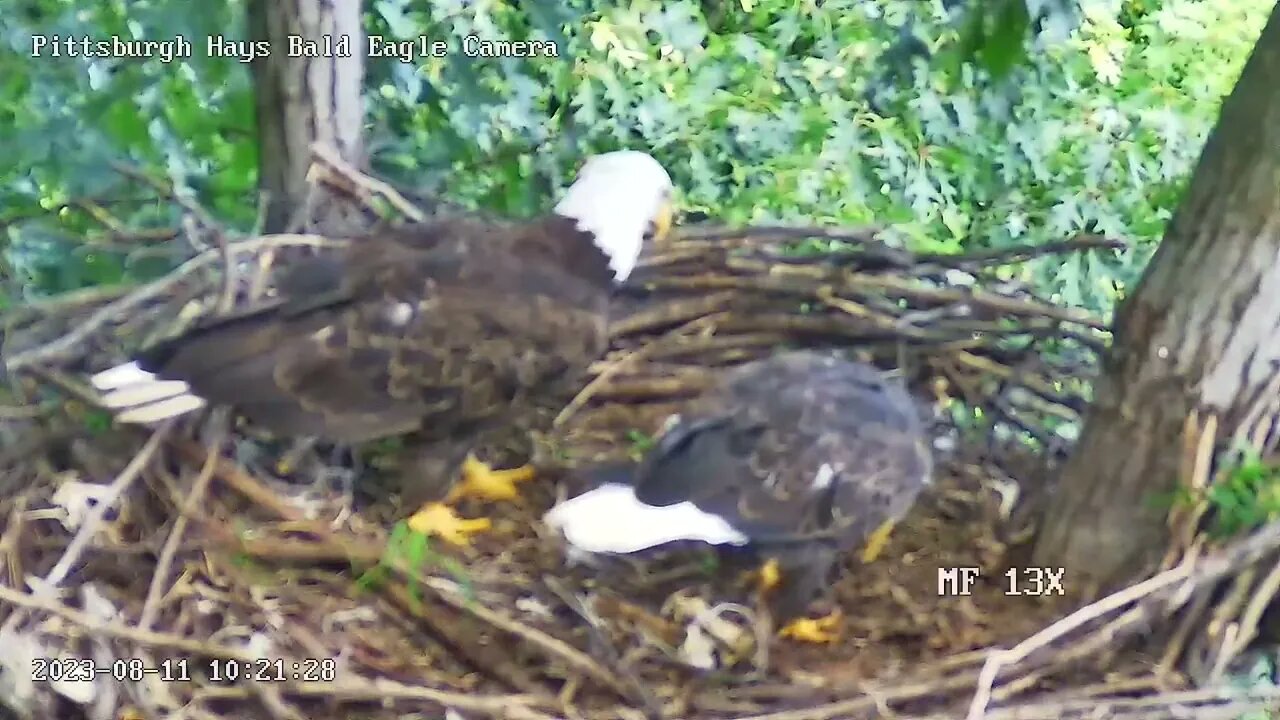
(803, 455)
(440, 332)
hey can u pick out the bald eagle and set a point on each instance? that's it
(802, 455)
(440, 332)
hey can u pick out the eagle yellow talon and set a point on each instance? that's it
(439, 520)
(820, 631)
(484, 483)
(876, 542)
(769, 576)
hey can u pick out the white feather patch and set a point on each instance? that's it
(822, 479)
(609, 519)
(171, 408)
(669, 424)
(399, 314)
(143, 393)
(121, 375)
(142, 397)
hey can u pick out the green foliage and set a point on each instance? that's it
(764, 111)
(641, 443)
(993, 33)
(404, 548)
(382, 453)
(709, 563)
(65, 121)
(1247, 497)
(96, 421)
(410, 552)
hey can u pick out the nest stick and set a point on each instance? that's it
(61, 347)
(1093, 611)
(555, 647)
(160, 576)
(329, 157)
(94, 519)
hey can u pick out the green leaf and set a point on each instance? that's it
(1004, 43)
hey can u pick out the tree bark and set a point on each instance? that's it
(1201, 332)
(303, 99)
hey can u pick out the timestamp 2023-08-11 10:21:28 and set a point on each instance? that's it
(182, 669)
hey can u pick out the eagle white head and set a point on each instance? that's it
(620, 198)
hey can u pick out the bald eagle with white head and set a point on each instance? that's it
(803, 456)
(441, 333)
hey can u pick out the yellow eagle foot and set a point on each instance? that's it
(819, 631)
(769, 576)
(439, 520)
(877, 541)
(484, 483)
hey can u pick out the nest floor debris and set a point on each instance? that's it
(187, 545)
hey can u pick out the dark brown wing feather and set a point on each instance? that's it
(430, 329)
(755, 448)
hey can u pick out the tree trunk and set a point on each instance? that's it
(1201, 332)
(304, 98)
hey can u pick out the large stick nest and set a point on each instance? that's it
(189, 546)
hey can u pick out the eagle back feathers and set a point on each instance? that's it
(798, 446)
(424, 328)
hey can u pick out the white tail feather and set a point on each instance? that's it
(163, 410)
(121, 375)
(143, 393)
(143, 397)
(610, 519)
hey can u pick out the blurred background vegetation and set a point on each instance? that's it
(843, 112)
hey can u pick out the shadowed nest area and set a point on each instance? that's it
(263, 577)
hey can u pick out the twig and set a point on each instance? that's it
(1022, 253)
(22, 412)
(865, 701)
(330, 157)
(573, 657)
(160, 576)
(57, 349)
(628, 359)
(652, 708)
(169, 188)
(670, 314)
(64, 303)
(93, 520)
(460, 637)
(243, 483)
(227, 298)
(1114, 707)
(1262, 596)
(1005, 658)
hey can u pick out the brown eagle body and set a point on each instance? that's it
(802, 455)
(442, 331)
(432, 329)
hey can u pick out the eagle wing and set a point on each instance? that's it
(799, 446)
(432, 329)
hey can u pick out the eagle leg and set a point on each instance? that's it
(439, 520)
(769, 576)
(823, 630)
(478, 480)
(483, 482)
(876, 542)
